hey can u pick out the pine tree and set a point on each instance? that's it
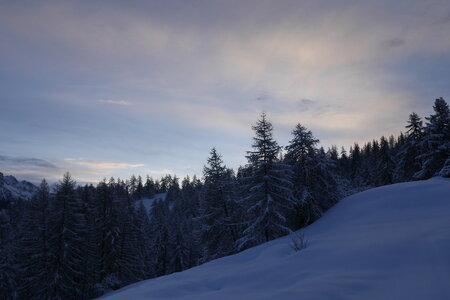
(108, 214)
(159, 245)
(406, 163)
(8, 266)
(435, 146)
(91, 265)
(415, 127)
(149, 188)
(34, 250)
(217, 232)
(128, 262)
(179, 246)
(268, 189)
(67, 228)
(139, 189)
(385, 164)
(142, 224)
(315, 186)
(132, 185)
(356, 167)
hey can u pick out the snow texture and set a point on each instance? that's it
(391, 242)
(10, 188)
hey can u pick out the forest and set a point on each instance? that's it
(81, 241)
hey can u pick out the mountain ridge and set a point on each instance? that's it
(12, 189)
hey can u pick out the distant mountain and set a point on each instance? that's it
(11, 189)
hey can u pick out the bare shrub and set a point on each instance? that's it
(298, 241)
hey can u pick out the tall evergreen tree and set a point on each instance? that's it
(108, 224)
(406, 163)
(435, 146)
(385, 164)
(268, 189)
(67, 228)
(34, 247)
(142, 224)
(217, 232)
(129, 268)
(8, 265)
(159, 246)
(315, 187)
(91, 264)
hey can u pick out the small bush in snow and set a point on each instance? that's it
(445, 172)
(298, 241)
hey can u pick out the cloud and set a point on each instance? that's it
(262, 98)
(161, 172)
(202, 68)
(30, 168)
(86, 171)
(101, 164)
(7, 162)
(395, 43)
(115, 102)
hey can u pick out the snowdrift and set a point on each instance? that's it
(391, 242)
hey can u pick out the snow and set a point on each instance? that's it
(10, 187)
(391, 242)
(148, 202)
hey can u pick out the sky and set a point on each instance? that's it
(114, 88)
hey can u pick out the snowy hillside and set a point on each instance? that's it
(391, 242)
(11, 188)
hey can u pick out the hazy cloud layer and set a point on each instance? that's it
(85, 171)
(180, 77)
(101, 164)
(115, 102)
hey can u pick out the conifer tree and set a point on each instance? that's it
(142, 224)
(108, 214)
(91, 265)
(34, 247)
(315, 187)
(217, 233)
(8, 266)
(159, 246)
(406, 162)
(268, 190)
(435, 146)
(385, 164)
(67, 228)
(149, 187)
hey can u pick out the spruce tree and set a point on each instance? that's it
(435, 146)
(34, 247)
(91, 259)
(142, 224)
(217, 232)
(268, 189)
(8, 265)
(159, 244)
(67, 226)
(108, 213)
(385, 164)
(315, 186)
(406, 163)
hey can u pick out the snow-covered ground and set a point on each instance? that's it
(148, 202)
(391, 242)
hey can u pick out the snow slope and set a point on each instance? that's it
(391, 242)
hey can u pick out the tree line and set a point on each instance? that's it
(77, 242)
